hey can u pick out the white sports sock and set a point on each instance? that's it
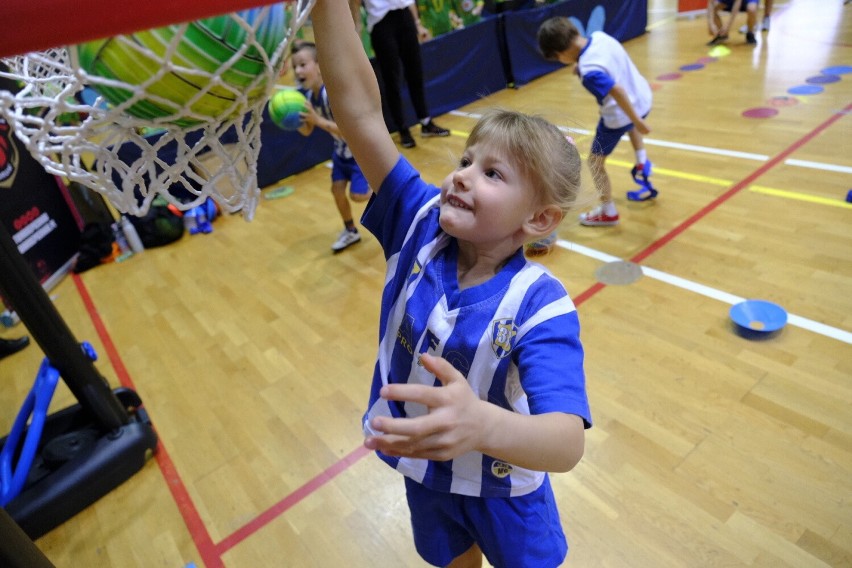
(609, 208)
(641, 156)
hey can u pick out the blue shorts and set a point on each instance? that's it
(728, 4)
(606, 139)
(347, 169)
(513, 532)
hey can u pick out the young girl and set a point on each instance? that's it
(479, 387)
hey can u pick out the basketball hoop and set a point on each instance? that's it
(138, 115)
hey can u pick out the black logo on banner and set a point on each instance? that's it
(8, 155)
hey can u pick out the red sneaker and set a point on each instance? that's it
(597, 218)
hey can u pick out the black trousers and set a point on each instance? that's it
(397, 50)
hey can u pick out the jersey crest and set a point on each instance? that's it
(503, 332)
(501, 469)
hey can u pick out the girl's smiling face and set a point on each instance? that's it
(486, 199)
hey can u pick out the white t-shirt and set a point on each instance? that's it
(604, 63)
(377, 9)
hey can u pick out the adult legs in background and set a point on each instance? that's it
(391, 37)
(395, 43)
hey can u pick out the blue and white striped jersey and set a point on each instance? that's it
(323, 108)
(515, 337)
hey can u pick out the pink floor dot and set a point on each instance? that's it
(669, 77)
(705, 60)
(783, 101)
(760, 112)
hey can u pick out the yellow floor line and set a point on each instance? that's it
(677, 174)
(723, 182)
(756, 188)
(800, 196)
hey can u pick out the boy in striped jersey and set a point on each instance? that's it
(478, 388)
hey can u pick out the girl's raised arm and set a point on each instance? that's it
(352, 90)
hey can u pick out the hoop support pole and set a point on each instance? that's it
(42, 320)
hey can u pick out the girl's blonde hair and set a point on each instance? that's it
(545, 156)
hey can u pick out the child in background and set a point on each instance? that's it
(479, 387)
(345, 170)
(624, 96)
(719, 30)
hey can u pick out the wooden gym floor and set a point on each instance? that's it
(252, 347)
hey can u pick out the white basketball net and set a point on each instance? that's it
(131, 160)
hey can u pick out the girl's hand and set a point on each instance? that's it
(452, 427)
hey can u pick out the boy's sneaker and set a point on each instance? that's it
(750, 39)
(718, 40)
(597, 218)
(405, 138)
(345, 239)
(431, 129)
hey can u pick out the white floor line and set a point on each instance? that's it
(819, 166)
(700, 149)
(792, 319)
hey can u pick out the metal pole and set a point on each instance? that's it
(16, 548)
(29, 299)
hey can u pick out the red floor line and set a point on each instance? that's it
(588, 293)
(111, 352)
(191, 518)
(292, 499)
(211, 554)
(668, 237)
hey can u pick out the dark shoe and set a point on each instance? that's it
(405, 139)
(718, 40)
(9, 346)
(750, 39)
(432, 129)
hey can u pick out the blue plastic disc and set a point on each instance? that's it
(805, 90)
(838, 70)
(758, 316)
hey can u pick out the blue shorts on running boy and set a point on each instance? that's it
(347, 169)
(606, 139)
(730, 4)
(513, 532)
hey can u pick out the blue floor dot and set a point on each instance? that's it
(838, 70)
(805, 90)
(692, 67)
(822, 79)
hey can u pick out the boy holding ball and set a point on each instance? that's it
(345, 170)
